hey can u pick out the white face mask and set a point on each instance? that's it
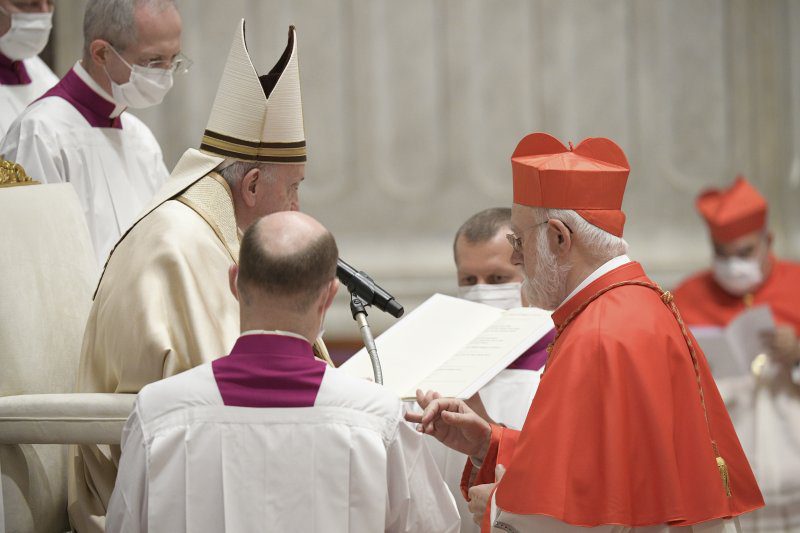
(738, 276)
(27, 35)
(145, 88)
(501, 295)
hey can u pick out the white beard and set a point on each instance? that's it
(549, 286)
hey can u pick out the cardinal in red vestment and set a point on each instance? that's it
(627, 429)
(764, 406)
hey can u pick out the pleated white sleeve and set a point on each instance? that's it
(418, 499)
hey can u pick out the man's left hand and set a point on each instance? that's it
(479, 496)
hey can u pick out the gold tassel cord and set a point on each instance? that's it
(723, 472)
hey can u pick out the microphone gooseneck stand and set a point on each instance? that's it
(359, 311)
(364, 292)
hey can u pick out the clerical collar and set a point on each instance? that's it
(274, 332)
(83, 93)
(605, 268)
(13, 72)
(93, 85)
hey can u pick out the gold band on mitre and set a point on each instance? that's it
(273, 152)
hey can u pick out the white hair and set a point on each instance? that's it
(115, 21)
(599, 244)
(236, 171)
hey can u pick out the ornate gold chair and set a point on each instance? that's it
(47, 275)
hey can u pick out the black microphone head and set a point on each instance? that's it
(394, 308)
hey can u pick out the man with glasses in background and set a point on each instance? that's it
(24, 31)
(80, 132)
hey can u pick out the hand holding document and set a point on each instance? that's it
(452, 346)
(740, 348)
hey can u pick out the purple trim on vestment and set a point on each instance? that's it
(269, 370)
(536, 356)
(13, 72)
(94, 108)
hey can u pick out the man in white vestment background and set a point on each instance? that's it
(269, 437)
(79, 131)
(24, 31)
(163, 304)
(486, 275)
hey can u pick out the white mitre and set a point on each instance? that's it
(254, 118)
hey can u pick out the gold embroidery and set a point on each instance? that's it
(210, 197)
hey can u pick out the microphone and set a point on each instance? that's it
(364, 287)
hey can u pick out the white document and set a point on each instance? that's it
(452, 346)
(731, 350)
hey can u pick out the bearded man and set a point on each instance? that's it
(627, 429)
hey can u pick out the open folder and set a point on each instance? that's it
(451, 345)
(730, 351)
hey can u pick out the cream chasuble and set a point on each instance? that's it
(163, 306)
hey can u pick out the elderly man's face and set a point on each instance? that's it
(487, 262)
(9, 7)
(545, 279)
(158, 42)
(282, 192)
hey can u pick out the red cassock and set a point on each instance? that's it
(617, 432)
(703, 302)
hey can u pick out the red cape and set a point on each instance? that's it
(616, 432)
(703, 302)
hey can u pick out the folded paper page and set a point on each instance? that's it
(452, 346)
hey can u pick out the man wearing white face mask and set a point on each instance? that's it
(765, 409)
(79, 131)
(485, 274)
(24, 31)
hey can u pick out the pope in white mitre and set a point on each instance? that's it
(163, 304)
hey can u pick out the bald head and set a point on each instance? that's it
(287, 257)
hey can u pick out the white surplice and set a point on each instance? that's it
(115, 171)
(348, 463)
(15, 98)
(766, 414)
(507, 398)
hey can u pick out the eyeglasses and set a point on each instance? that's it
(180, 64)
(515, 240)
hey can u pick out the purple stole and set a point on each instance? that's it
(94, 108)
(13, 72)
(269, 370)
(536, 356)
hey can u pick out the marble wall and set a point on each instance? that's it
(413, 109)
